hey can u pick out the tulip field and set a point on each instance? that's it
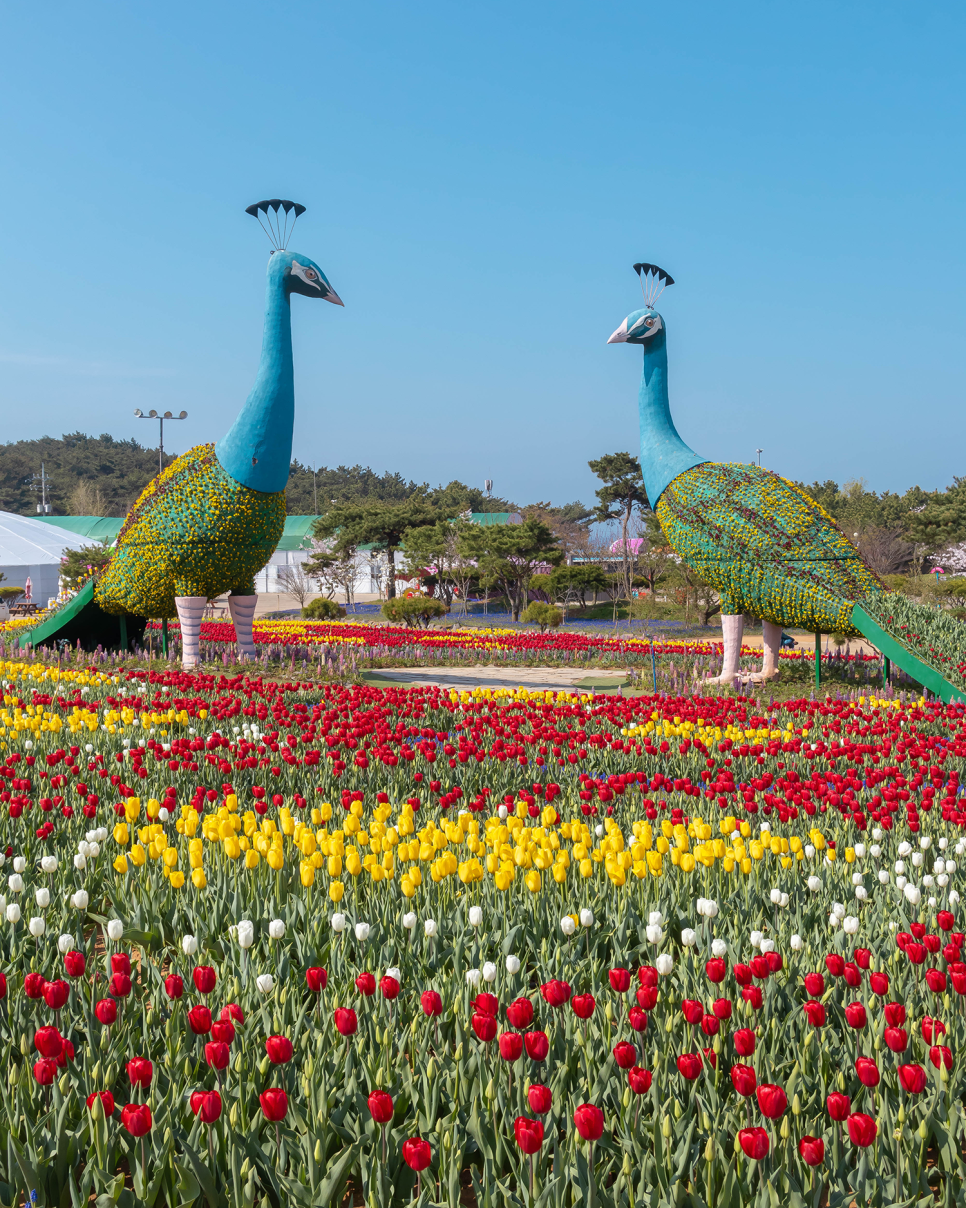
(300, 943)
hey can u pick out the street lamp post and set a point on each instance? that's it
(161, 418)
(759, 452)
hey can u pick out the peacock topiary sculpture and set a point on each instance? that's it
(214, 517)
(756, 538)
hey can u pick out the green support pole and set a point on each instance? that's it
(886, 672)
(164, 636)
(122, 621)
(818, 660)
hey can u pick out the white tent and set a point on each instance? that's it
(31, 548)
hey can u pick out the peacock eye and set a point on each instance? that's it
(311, 274)
(648, 322)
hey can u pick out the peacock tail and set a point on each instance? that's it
(765, 547)
(194, 531)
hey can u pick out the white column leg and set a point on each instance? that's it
(732, 629)
(190, 611)
(242, 609)
(771, 640)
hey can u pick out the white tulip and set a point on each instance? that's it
(883, 877)
(586, 917)
(943, 843)
(338, 923)
(861, 893)
(900, 866)
(489, 971)
(13, 913)
(94, 851)
(429, 928)
(42, 898)
(84, 848)
(901, 882)
(395, 973)
(19, 863)
(362, 932)
(875, 851)
(64, 943)
(756, 938)
(115, 929)
(189, 945)
(776, 896)
(655, 918)
(472, 977)
(476, 916)
(913, 896)
(245, 932)
(838, 910)
(857, 878)
(688, 937)
(814, 884)
(80, 900)
(15, 883)
(933, 903)
(80, 862)
(49, 863)
(784, 901)
(809, 851)
(953, 898)
(163, 814)
(904, 848)
(924, 841)
(850, 924)
(37, 927)
(718, 947)
(796, 943)
(567, 925)
(942, 880)
(939, 866)
(950, 866)
(917, 859)
(599, 831)
(276, 929)
(711, 908)
(409, 920)
(928, 881)
(265, 983)
(512, 964)
(664, 964)
(860, 851)
(502, 813)
(767, 945)
(877, 834)
(655, 934)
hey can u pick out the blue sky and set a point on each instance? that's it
(479, 179)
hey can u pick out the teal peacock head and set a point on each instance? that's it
(645, 326)
(292, 271)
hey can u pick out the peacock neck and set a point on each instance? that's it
(664, 455)
(257, 450)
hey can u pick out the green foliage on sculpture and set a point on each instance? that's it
(766, 546)
(194, 531)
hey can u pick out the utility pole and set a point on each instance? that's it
(488, 487)
(759, 452)
(40, 482)
(315, 490)
(154, 415)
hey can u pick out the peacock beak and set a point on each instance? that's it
(620, 335)
(332, 296)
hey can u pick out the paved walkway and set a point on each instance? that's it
(465, 679)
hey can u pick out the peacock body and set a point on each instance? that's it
(214, 517)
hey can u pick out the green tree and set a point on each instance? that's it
(544, 615)
(78, 565)
(622, 492)
(509, 555)
(345, 527)
(578, 581)
(437, 547)
(413, 610)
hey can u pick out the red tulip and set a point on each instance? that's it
(755, 1143)
(45, 1071)
(119, 985)
(932, 1029)
(206, 1105)
(744, 1079)
(486, 1004)
(835, 964)
(690, 1066)
(204, 978)
(539, 1098)
(814, 985)
(753, 995)
(744, 1039)
(583, 1005)
(33, 985)
(529, 1134)
(66, 1054)
(279, 1050)
(812, 1150)
(913, 1078)
(646, 998)
(639, 1080)
(233, 1012)
(223, 1030)
(940, 1056)
(217, 1055)
(366, 984)
(140, 1071)
(716, 968)
(895, 1014)
(537, 1045)
(316, 979)
(136, 1118)
(879, 983)
(416, 1153)
(589, 1120)
(647, 976)
(75, 964)
(637, 1019)
(620, 980)
(48, 1042)
(484, 1026)
(772, 1100)
(862, 1129)
(742, 974)
(936, 980)
(274, 1104)
(173, 986)
(625, 1055)
(380, 1107)
(815, 1013)
(944, 920)
(838, 1106)
(388, 987)
(896, 1039)
(867, 1071)
(852, 975)
(199, 1018)
(106, 1011)
(519, 1013)
(511, 1045)
(556, 993)
(121, 963)
(107, 1101)
(721, 1008)
(863, 957)
(855, 1015)
(431, 1003)
(692, 1011)
(759, 967)
(916, 953)
(345, 1020)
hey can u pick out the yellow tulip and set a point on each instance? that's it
(198, 878)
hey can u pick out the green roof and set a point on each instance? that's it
(296, 535)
